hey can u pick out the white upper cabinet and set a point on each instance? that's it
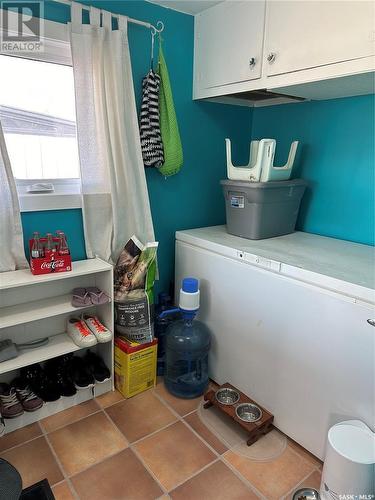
(229, 43)
(313, 49)
(306, 34)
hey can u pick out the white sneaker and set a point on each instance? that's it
(101, 333)
(80, 333)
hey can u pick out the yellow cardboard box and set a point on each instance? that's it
(135, 366)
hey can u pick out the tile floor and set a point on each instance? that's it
(148, 447)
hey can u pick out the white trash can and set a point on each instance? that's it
(349, 464)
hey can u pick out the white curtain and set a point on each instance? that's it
(114, 190)
(12, 255)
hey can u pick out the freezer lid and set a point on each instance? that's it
(341, 266)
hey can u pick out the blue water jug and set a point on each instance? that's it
(187, 346)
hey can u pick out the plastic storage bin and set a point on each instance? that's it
(349, 470)
(258, 210)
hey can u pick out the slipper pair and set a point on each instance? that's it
(91, 295)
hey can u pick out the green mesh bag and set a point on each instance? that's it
(173, 155)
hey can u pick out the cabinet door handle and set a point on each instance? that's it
(252, 62)
(371, 322)
(271, 57)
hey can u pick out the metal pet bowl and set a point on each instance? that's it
(227, 396)
(306, 494)
(248, 412)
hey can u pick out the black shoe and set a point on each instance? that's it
(97, 367)
(40, 383)
(31, 373)
(58, 372)
(82, 377)
(66, 369)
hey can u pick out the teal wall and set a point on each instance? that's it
(336, 154)
(69, 221)
(336, 157)
(193, 197)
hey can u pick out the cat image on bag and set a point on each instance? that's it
(135, 278)
(125, 265)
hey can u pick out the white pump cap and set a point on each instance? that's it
(189, 295)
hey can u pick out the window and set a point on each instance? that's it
(37, 112)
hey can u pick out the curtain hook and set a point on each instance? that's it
(159, 26)
(159, 29)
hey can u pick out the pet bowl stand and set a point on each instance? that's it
(255, 429)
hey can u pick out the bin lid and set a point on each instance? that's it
(354, 441)
(264, 185)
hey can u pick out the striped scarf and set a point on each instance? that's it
(151, 142)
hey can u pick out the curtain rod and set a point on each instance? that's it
(159, 25)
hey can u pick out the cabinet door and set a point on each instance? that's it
(229, 43)
(306, 34)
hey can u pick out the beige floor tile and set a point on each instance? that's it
(181, 406)
(19, 436)
(69, 416)
(62, 491)
(120, 477)
(139, 416)
(196, 423)
(174, 454)
(276, 478)
(86, 442)
(109, 398)
(217, 482)
(34, 461)
(305, 454)
(313, 481)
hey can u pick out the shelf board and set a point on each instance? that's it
(53, 407)
(57, 346)
(38, 309)
(23, 277)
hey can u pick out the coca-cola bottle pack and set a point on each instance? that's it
(49, 254)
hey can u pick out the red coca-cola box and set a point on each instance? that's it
(51, 263)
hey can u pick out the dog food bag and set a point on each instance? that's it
(134, 299)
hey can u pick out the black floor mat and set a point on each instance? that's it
(38, 491)
(10, 481)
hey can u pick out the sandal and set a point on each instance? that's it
(96, 295)
(81, 297)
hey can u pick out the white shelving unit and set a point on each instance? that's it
(24, 277)
(33, 307)
(57, 346)
(38, 309)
